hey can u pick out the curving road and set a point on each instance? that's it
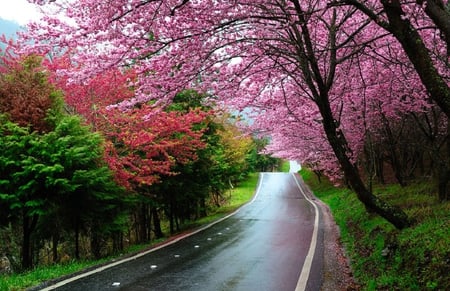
(272, 243)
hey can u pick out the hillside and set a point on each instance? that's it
(382, 257)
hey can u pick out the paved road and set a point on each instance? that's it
(266, 245)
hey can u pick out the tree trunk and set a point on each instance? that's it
(77, 239)
(202, 210)
(142, 223)
(117, 241)
(28, 225)
(392, 148)
(156, 223)
(338, 142)
(379, 166)
(444, 175)
(171, 217)
(26, 256)
(55, 241)
(96, 245)
(318, 175)
(444, 178)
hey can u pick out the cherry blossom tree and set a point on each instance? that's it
(423, 30)
(307, 57)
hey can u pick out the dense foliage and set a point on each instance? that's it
(329, 81)
(51, 168)
(63, 185)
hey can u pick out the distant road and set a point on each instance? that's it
(269, 244)
(294, 167)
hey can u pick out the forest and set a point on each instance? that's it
(80, 180)
(357, 91)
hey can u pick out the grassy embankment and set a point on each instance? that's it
(236, 198)
(383, 258)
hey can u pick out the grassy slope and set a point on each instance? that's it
(383, 258)
(237, 197)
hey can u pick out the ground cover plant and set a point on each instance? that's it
(382, 257)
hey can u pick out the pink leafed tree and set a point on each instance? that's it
(422, 28)
(310, 57)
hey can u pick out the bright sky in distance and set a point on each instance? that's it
(19, 11)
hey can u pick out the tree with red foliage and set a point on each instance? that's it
(143, 142)
(25, 93)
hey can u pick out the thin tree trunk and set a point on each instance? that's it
(171, 224)
(444, 175)
(379, 167)
(26, 258)
(77, 239)
(55, 241)
(202, 210)
(156, 223)
(142, 223)
(28, 225)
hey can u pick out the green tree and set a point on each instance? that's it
(222, 162)
(57, 180)
(260, 162)
(52, 170)
(84, 183)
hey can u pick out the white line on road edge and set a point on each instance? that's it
(306, 269)
(100, 269)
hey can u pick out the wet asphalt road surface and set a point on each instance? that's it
(262, 247)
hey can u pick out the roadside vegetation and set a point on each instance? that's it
(236, 197)
(385, 258)
(82, 180)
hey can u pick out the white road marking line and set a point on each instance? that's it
(102, 268)
(306, 269)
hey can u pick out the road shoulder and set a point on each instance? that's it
(337, 274)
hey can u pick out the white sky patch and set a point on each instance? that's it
(19, 11)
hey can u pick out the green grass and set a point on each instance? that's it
(284, 166)
(39, 274)
(382, 257)
(238, 196)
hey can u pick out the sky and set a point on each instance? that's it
(19, 11)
